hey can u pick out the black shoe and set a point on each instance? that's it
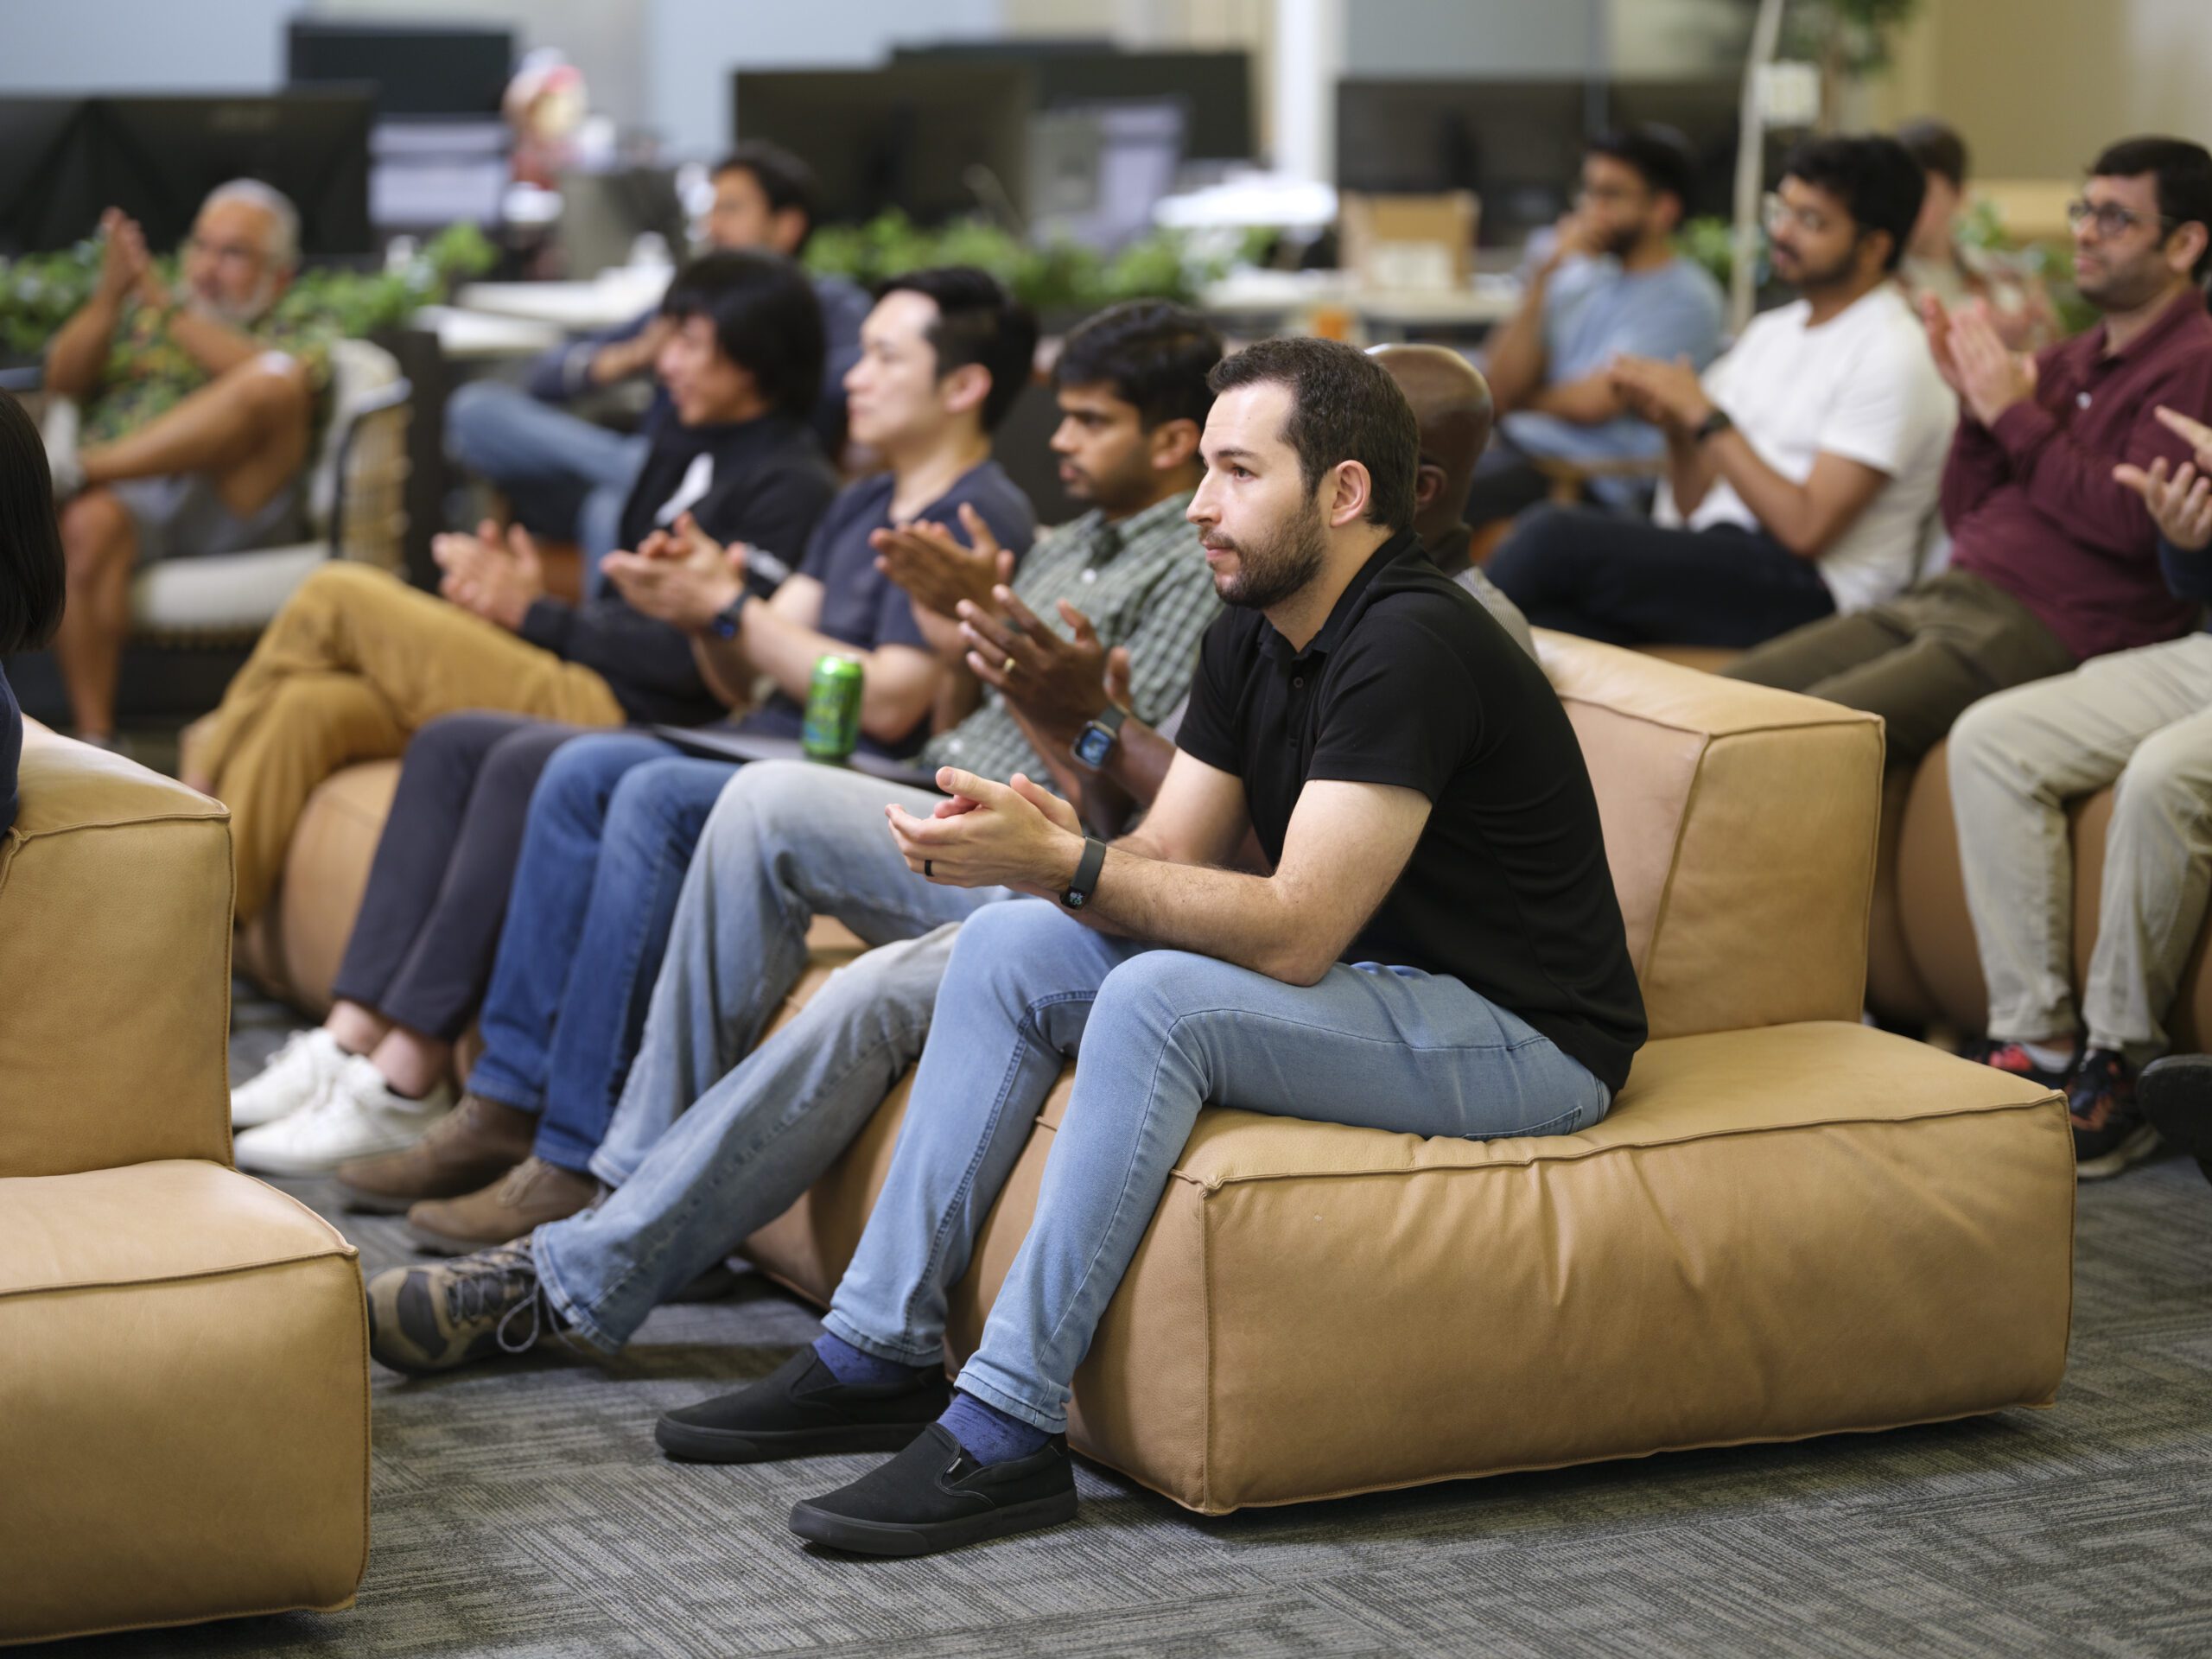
(799, 1410)
(933, 1496)
(2175, 1096)
(2014, 1059)
(2109, 1130)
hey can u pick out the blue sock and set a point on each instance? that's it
(986, 1434)
(849, 1364)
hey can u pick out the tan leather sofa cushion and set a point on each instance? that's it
(1775, 1234)
(183, 1403)
(1740, 826)
(1938, 929)
(115, 949)
(294, 947)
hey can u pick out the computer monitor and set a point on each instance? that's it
(157, 158)
(45, 175)
(417, 69)
(1215, 88)
(934, 140)
(1516, 144)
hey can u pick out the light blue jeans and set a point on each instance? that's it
(1377, 1047)
(787, 841)
(563, 474)
(744, 1153)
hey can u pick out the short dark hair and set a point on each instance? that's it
(1875, 178)
(977, 321)
(1343, 406)
(1154, 355)
(1938, 149)
(33, 578)
(787, 182)
(766, 320)
(1660, 154)
(2183, 172)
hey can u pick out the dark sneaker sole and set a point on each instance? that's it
(691, 1443)
(819, 1526)
(2140, 1145)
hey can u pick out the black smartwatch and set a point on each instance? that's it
(1097, 739)
(1713, 424)
(727, 620)
(1086, 875)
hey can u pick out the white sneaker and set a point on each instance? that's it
(357, 1115)
(295, 1076)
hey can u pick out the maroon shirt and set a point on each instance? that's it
(2030, 502)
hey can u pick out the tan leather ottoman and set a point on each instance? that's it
(184, 1422)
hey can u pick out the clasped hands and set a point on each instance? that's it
(126, 267)
(2180, 498)
(1668, 395)
(1017, 835)
(939, 575)
(496, 576)
(1971, 355)
(681, 575)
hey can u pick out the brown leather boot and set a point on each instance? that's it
(530, 1194)
(476, 1142)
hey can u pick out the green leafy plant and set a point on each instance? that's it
(39, 292)
(1060, 276)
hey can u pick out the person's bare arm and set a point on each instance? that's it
(78, 352)
(1347, 845)
(213, 345)
(1514, 359)
(1590, 401)
(778, 639)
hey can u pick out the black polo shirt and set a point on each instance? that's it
(1410, 682)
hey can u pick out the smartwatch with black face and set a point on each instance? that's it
(1097, 739)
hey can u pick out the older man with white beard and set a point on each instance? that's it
(186, 419)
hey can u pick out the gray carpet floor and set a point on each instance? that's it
(524, 1510)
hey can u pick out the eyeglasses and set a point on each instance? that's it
(2110, 217)
(1778, 214)
(236, 253)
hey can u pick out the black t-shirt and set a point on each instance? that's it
(11, 751)
(1411, 683)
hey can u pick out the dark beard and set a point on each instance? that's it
(1271, 572)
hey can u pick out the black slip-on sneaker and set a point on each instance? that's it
(801, 1410)
(933, 1496)
(2109, 1131)
(2175, 1096)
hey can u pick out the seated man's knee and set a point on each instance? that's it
(1005, 942)
(471, 412)
(768, 806)
(655, 797)
(1538, 537)
(274, 385)
(2168, 778)
(96, 529)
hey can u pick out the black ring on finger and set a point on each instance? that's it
(928, 872)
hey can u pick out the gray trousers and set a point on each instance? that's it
(1918, 661)
(2144, 718)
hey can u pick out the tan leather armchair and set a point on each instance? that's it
(183, 1351)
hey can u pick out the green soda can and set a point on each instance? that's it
(832, 730)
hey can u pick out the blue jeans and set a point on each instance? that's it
(611, 829)
(1377, 1047)
(787, 841)
(565, 477)
(750, 1146)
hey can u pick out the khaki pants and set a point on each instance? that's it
(2143, 718)
(1918, 661)
(353, 664)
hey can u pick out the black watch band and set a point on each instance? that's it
(730, 618)
(1714, 424)
(1086, 875)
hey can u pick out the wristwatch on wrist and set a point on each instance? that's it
(727, 620)
(1097, 739)
(1713, 424)
(1086, 875)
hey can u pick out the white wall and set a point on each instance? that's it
(138, 46)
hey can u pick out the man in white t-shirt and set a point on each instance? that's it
(1802, 468)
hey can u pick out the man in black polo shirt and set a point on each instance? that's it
(1437, 951)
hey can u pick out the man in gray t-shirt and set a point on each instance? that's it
(1610, 283)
